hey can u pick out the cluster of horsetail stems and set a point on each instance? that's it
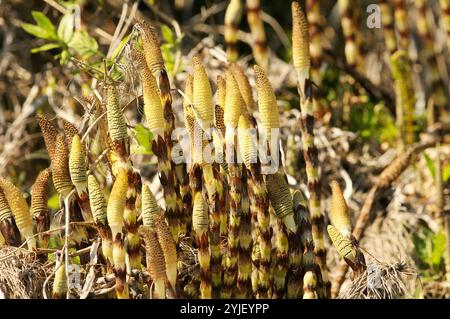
(254, 236)
(302, 62)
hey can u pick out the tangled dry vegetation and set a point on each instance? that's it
(309, 179)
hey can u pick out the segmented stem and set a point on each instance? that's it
(310, 153)
(233, 16)
(260, 51)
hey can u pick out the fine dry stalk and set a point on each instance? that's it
(39, 206)
(99, 212)
(301, 57)
(428, 53)
(8, 227)
(405, 97)
(401, 24)
(260, 51)
(233, 16)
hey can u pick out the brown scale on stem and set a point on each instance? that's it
(39, 208)
(8, 227)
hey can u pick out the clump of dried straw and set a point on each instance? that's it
(22, 275)
(383, 281)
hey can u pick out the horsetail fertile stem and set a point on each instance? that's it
(8, 227)
(281, 259)
(295, 276)
(445, 7)
(155, 260)
(315, 34)
(154, 114)
(244, 286)
(341, 230)
(387, 19)
(99, 212)
(77, 170)
(260, 51)
(309, 269)
(49, 134)
(349, 29)
(339, 210)
(405, 97)
(244, 86)
(20, 210)
(270, 123)
(115, 212)
(39, 206)
(219, 148)
(176, 173)
(430, 60)
(168, 247)
(310, 153)
(153, 218)
(121, 149)
(59, 289)
(401, 24)
(200, 225)
(232, 110)
(233, 17)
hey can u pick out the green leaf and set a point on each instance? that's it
(53, 201)
(430, 165)
(44, 23)
(65, 28)
(438, 249)
(446, 173)
(167, 34)
(85, 45)
(37, 31)
(143, 138)
(45, 47)
(120, 46)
